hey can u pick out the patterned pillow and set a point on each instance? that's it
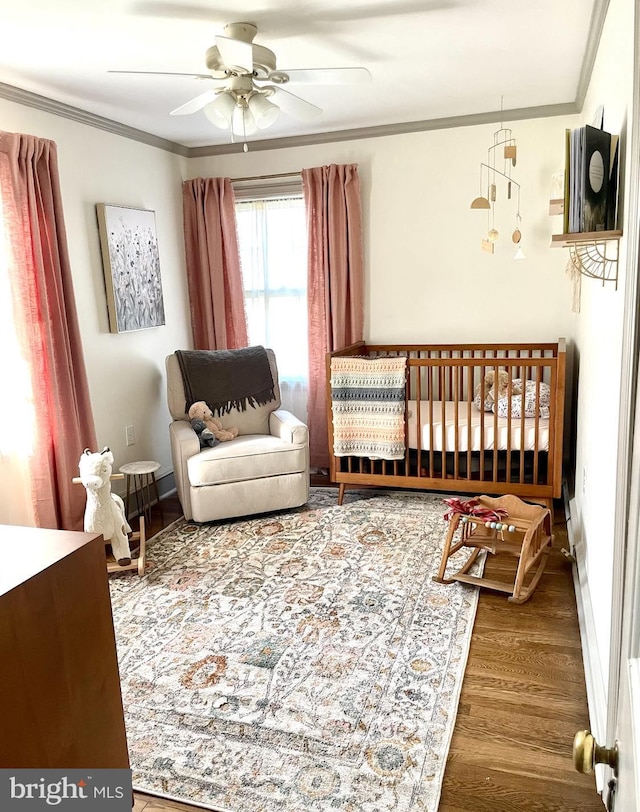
(489, 396)
(488, 402)
(544, 400)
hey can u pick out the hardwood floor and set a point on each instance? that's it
(523, 699)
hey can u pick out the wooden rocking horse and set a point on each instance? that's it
(105, 512)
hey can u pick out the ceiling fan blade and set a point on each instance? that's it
(165, 73)
(236, 55)
(294, 105)
(159, 8)
(328, 76)
(195, 104)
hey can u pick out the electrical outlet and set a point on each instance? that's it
(130, 435)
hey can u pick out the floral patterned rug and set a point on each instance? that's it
(296, 661)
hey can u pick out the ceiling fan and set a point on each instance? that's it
(248, 94)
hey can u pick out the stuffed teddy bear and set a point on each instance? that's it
(487, 393)
(200, 411)
(205, 435)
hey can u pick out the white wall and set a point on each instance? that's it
(426, 276)
(598, 338)
(125, 371)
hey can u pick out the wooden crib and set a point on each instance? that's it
(455, 439)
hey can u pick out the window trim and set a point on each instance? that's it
(245, 190)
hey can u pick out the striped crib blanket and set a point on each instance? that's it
(368, 403)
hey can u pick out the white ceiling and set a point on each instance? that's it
(429, 59)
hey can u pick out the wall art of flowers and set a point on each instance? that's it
(131, 267)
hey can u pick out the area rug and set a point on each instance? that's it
(296, 661)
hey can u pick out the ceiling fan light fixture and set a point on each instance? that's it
(220, 111)
(264, 112)
(243, 123)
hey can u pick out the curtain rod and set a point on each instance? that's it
(268, 177)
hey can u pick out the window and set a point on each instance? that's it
(272, 241)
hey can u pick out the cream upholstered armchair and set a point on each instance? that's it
(266, 467)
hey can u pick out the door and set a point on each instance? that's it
(627, 726)
(623, 723)
(620, 754)
(623, 712)
(624, 704)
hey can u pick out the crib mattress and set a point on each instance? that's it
(483, 431)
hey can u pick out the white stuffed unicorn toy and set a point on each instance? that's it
(105, 510)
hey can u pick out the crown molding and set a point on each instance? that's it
(381, 131)
(57, 108)
(384, 130)
(598, 16)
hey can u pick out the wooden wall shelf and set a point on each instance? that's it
(593, 253)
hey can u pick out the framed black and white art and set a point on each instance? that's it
(131, 263)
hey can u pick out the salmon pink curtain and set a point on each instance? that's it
(216, 296)
(42, 364)
(335, 283)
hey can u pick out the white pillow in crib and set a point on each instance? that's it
(488, 403)
(544, 399)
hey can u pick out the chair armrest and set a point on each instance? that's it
(287, 427)
(184, 444)
(184, 438)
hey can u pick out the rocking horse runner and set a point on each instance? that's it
(105, 510)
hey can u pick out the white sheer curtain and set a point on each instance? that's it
(17, 413)
(272, 238)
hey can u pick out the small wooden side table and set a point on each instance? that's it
(143, 474)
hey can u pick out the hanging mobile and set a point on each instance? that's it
(517, 234)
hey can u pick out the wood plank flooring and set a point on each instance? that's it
(523, 699)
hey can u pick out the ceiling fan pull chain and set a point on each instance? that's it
(245, 148)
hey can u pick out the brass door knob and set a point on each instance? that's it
(587, 753)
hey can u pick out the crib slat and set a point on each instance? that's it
(494, 462)
(536, 414)
(443, 453)
(483, 372)
(456, 425)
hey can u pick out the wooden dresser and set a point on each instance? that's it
(60, 700)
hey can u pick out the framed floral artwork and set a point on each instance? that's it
(131, 263)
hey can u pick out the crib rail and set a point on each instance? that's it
(454, 439)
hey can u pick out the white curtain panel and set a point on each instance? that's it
(17, 413)
(294, 397)
(273, 251)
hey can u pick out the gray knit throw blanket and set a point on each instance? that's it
(226, 379)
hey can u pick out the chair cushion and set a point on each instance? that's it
(249, 456)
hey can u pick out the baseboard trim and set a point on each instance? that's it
(596, 693)
(166, 487)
